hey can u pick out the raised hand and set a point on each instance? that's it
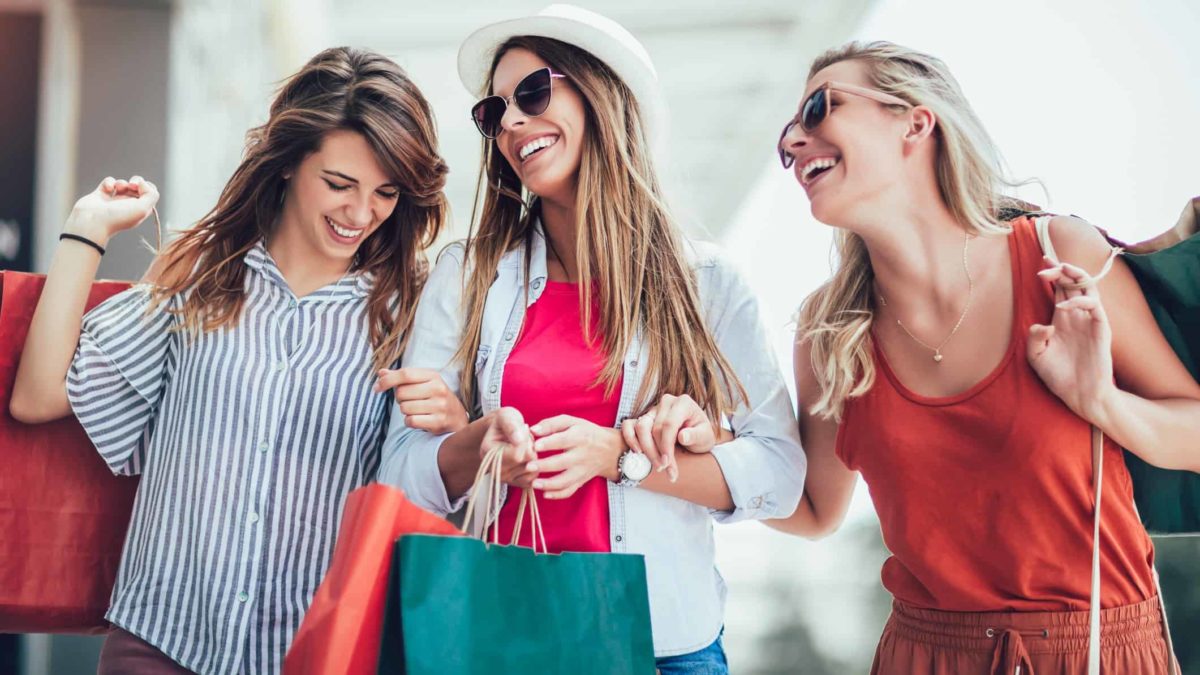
(114, 206)
(1073, 355)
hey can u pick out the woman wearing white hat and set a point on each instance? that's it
(578, 307)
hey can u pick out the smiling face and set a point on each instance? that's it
(544, 151)
(337, 197)
(852, 157)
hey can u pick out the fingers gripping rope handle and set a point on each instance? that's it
(488, 487)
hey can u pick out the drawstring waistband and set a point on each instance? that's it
(1011, 638)
(1011, 657)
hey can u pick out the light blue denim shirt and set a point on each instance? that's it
(763, 465)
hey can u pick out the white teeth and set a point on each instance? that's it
(813, 165)
(347, 233)
(537, 144)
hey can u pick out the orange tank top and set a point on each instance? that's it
(985, 498)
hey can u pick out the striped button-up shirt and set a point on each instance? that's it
(248, 441)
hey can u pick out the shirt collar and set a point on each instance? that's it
(351, 286)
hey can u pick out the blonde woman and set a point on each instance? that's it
(577, 305)
(960, 374)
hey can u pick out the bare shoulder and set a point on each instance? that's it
(1079, 243)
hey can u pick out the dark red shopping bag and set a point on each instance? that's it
(341, 631)
(63, 514)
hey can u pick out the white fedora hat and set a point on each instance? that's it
(598, 35)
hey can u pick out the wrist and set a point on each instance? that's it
(83, 226)
(459, 421)
(1099, 408)
(617, 448)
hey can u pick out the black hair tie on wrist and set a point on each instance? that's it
(82, 240)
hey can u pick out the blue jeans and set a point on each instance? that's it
(707, 661)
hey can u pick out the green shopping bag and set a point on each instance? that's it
(460, 606)
(1169, 501)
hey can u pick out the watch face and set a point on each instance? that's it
(636, 466)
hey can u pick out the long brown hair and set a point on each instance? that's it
(340, 88)
(627, 241)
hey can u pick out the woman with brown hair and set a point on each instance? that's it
(240, 380)
(576, 306)
(962, 373)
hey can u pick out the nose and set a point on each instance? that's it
(362, 214)
(794, 138)
(513, 117)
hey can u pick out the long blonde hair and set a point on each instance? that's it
(626, 240)
(836, 318)
(339, 88)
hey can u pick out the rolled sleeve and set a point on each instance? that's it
(410, 462)
(410, 456)
(764, 465)
(119, 372)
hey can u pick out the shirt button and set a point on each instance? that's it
(280, 367)
(243, 597)
(537, 283)
(254, 517)
(292, 304)
(264, 446)
(618, 537)
(492, 389)
(633, 364)
(756, 502)
(508, 336)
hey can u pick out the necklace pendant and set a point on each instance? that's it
(937, 357)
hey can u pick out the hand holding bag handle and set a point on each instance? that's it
(487, 487)
(1042, 223)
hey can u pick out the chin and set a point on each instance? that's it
(821, 211)
(550, 181)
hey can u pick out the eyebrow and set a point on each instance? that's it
(343, 176)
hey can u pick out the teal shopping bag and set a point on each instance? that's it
(459, 606)
(1169, 501)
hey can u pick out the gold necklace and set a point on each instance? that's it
(937, 351)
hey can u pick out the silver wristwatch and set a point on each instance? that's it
(633, 467)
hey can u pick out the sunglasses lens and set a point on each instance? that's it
(532, 95)
(786, 157)
(487, 115)
(815, 109)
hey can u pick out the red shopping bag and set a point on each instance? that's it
(63, 515)
(341, 631)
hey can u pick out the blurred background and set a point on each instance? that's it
(1098, 100)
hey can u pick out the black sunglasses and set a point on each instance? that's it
(532, 96)
(816, 108)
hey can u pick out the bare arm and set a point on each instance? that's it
(829, 485)
(40, 391)
(1153, 407)
(700, 481)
